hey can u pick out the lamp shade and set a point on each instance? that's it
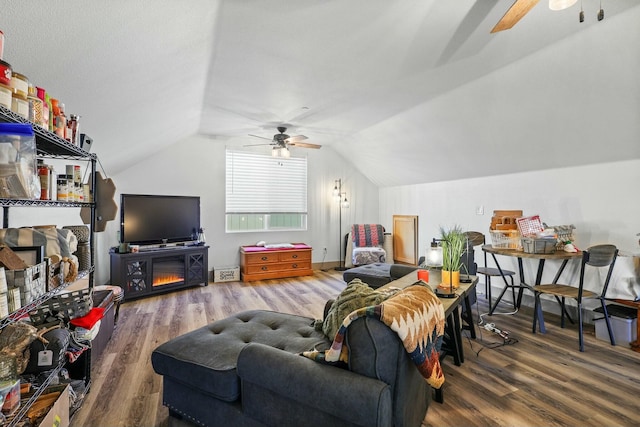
(561, 4)
(434, 256)
(345, 202)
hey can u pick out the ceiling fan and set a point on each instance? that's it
(281, 142)
(521, 7)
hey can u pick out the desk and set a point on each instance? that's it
(451, 309)
(451, 306)
(558, 255)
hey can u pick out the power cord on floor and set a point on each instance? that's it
(481, 316)
(491, 327)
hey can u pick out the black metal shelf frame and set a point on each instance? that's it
(47, 143)
(50, 145)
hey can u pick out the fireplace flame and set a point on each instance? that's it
(167, 279)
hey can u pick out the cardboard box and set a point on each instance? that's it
(58, 415)
(226, 274)
(623, 323)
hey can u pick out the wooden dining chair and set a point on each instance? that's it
(596, 257)
(476, 238)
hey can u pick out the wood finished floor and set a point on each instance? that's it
(541, 380)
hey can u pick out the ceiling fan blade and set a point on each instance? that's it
(255, 145)
(304, 145)
(515, 13)
(296, 138)
(263, 137)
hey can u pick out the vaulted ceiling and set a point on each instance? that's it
(411, 83)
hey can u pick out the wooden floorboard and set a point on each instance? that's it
(536, 379)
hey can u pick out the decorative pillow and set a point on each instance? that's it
(364, 256)
(356, 295)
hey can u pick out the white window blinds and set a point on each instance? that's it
(256, 183)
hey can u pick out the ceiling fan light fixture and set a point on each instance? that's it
(561, 4)
(282, 152)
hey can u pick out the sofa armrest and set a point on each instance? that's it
(327, 389)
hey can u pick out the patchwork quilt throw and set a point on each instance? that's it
(416, 315)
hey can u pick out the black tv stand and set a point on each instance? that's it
(160, 269)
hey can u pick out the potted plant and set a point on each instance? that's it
(453, 246)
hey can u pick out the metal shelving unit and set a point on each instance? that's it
(49, 145)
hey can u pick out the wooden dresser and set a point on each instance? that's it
(259, 263)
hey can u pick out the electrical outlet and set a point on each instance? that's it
(480, 210)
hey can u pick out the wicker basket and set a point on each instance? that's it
(505, 239)
(84, 256)
(81, 232)
(65, 306)
(564, 233)
(56, 274)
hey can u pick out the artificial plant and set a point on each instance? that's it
(453, 246)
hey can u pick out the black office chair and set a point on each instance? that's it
(597, 256)
(476, 238)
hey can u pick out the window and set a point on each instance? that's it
(265, 193)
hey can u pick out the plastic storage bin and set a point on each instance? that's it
(18, 176)
(623, 322)
(532, 245)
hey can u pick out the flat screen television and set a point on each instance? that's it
(156, 219)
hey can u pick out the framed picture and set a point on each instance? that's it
(32, 255)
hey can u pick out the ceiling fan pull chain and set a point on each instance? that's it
(581, 14)
(601, 12)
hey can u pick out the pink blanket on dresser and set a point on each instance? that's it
(294, 246)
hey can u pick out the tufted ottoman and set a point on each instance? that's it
(378, 274)
(203, 362)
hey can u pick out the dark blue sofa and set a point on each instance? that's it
(246, 371)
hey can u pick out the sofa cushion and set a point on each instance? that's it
(206, 358)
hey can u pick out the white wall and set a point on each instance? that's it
(195, 166)
(600, 200)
